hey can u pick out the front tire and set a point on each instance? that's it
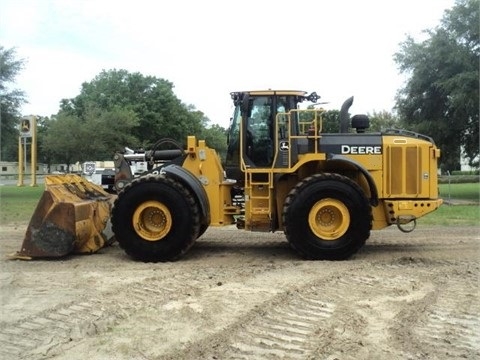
(327, 217)
(155, 218)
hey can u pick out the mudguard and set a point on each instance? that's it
(368, 177)
(188, 179)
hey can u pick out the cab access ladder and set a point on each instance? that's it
(259, 200)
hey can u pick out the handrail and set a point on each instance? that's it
(310, 129)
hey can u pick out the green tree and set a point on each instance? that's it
(331, 121)
(109, 131)
(378, 121)
(43, 157)
(160, 113)
(64, 139)
(382, 120)
(11, 101)
(216, 138)
(441, 96)
(68, 139)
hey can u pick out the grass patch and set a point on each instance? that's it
(468, 191)
(17, 203)
(453, 215)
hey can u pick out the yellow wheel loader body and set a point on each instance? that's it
(284, 170)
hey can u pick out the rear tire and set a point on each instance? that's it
(327, 217)
(155, 218)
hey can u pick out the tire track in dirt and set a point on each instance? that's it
(282, 332)
(36, 335)
(321, 313)
(181, 313)
(317, 319)
(249, 300)
(277, 326)
(449, 323)
(41, 334)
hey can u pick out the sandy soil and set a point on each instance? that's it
(239, 295)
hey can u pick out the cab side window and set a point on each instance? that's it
(259, 140)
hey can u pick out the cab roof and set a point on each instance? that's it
(273, 92)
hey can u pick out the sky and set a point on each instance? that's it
(209, 48)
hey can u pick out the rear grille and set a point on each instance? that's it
(403, 171)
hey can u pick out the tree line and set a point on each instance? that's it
(118, 108)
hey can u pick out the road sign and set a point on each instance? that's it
(26, 127)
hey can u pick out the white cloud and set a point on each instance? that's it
(210, 48)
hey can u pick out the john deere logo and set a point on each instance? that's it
(25, 128)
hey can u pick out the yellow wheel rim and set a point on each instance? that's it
(329, 219)
(152, 220)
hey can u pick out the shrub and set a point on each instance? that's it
(470, 172)
(458, 179)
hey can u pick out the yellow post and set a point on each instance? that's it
(20, 162)
(33, 161)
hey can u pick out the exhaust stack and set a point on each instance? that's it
(344, 117)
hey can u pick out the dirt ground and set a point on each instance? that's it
(239, 295)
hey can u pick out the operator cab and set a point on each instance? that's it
(252, 127)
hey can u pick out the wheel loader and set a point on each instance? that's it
(282, 172)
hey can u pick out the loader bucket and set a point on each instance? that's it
(69, 218)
